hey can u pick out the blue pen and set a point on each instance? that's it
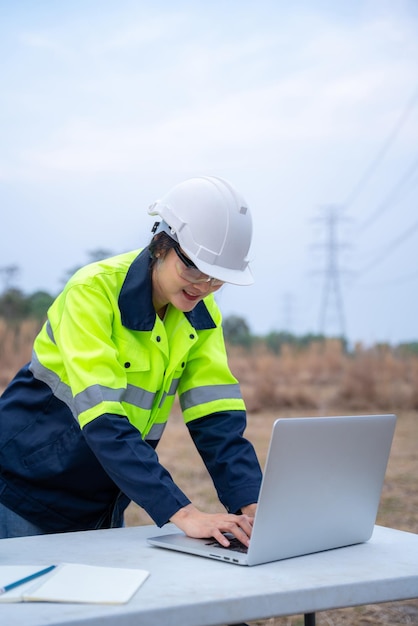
(22, 581)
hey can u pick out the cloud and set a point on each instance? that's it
(39, 41)
(105, 104)
(344, 80)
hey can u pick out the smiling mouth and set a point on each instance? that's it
(191, 296)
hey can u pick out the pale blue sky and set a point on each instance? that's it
(106, 105)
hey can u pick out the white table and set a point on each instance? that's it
(194, 591)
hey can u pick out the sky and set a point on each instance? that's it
(309, 108)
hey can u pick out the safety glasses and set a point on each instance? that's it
(188, 270)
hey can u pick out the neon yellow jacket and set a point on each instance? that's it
(106, 363)
(133, 367)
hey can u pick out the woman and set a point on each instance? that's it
(80, 423)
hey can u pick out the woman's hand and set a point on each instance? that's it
(197, 524)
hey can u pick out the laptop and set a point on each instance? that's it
(321, 490)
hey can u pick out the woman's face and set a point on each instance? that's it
(168, 287)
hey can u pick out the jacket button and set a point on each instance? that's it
(183, 364)
(158, 338)
(192, 336)
(127, 364)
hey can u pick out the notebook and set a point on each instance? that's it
(321, 489)
(71, 582)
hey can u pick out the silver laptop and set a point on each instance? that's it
(321, 490)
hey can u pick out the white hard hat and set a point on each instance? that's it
(212, 223)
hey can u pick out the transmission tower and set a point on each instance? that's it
(8, 274)
(332, 307)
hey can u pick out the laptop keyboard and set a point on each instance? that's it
(235, 545)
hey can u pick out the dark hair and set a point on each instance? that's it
(159, 247)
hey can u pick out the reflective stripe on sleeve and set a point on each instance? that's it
(156, 432)
(208, 393)
(50, 378)
(49, 331)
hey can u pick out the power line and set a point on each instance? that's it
(383, 150)
(399, 280)
(391, 197)
(392, 246)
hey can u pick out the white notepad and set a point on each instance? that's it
(74, 583)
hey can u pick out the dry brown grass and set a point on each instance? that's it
(324, 378)
(320, 380)
(15, 347)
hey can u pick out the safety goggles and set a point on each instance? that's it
(191, 273)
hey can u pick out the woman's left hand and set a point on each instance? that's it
(198, 524)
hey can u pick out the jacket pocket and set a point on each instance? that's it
(133, 358)
(54, 457)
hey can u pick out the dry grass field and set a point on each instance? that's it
(319, 380)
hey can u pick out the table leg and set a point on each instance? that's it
(309, 620)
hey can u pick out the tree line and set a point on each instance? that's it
(16, 306)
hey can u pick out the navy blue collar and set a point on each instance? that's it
(135, 299)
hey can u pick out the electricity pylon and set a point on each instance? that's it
(332, 307)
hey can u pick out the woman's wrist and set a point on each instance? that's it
(249, 509)
(183, 513)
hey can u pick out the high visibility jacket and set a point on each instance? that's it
(79, 424)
